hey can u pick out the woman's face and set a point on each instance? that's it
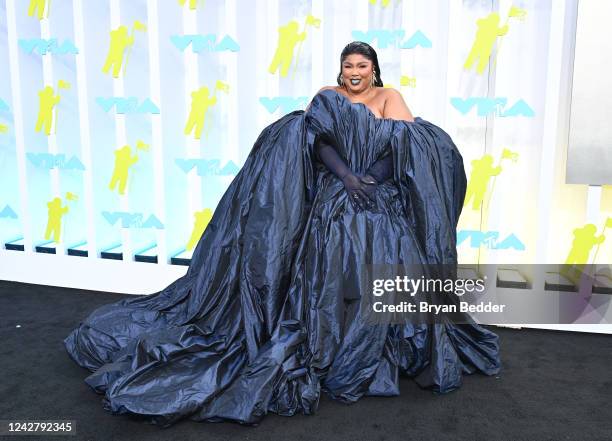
(357, 72)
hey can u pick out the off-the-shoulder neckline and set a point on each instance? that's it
(368, 109)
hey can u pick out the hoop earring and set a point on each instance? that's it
(341, 81)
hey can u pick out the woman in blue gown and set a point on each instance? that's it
(267, 315)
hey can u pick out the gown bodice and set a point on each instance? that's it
(359, 137)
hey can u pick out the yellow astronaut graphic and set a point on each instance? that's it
(201, 220)
(406, 80)
(585, 239)
(47, 101)
(486, 36)
(123, 161)
(120, 45)
(54, 222)
(39, 7)
(192, 3)
(288, 37)
(482, 171)
(383, 3)
(201, 101)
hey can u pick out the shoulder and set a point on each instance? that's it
(394, 105)
(390, 93)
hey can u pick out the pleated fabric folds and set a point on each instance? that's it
(267, 315)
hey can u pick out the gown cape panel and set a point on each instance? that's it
(251, 327)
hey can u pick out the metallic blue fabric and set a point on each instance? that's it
(267, 315)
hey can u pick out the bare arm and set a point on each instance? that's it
(396, 108)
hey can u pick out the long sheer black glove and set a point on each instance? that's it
(360, 188)
(382, 169)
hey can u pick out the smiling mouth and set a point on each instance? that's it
(354, 82)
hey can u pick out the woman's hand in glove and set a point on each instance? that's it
(361, 189)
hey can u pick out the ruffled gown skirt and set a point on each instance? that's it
(268, 314)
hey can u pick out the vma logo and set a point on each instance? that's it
(489, 239)
(395, 38)
(285, 103)
(206, 42)
(127, 105)
(43, 46)
(132, 220)
(207, 167)
(49, 161)
(486, 106)
(7, 212)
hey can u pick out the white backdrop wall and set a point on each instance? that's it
(516, 110)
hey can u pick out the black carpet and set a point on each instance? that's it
(554, 386)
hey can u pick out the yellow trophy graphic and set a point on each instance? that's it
(201, 102)
(405, 80)
(486, 36)
(192, 3)
(48, 108)
(47, 101)
(120, 42)
(288, 37)
(202, 218)
(141, 145)
(3, 129)
(383, 3)
(598, 241)
(585, 239)
(39, 7)
(482, 171)
(123, 161)
(54, 222)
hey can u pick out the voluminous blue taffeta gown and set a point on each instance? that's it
(267, 315)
